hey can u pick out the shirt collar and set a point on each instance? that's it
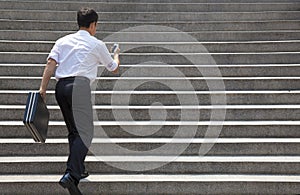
(84, 33)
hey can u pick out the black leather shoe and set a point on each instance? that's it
(84, 175)
(67, 181)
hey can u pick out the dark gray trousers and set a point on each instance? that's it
(73, 95)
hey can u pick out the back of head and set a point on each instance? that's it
(86, 16)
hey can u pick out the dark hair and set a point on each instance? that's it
(86, 16)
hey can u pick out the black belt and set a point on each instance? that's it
(75, 77)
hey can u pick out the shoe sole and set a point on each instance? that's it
(64, 185)
(72, 189)
(83, 177)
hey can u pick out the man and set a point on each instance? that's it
(77, 56)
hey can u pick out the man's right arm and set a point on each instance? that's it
(105, 58)
(117, 60)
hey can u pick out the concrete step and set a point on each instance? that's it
(187, 26)
(227, 35)
(254, 151)
(203, 58)
(151, 7)
(231, 83)
(255, 70)
(165, 129)
(166, 83)
(173, 113)
(165, 47)
(53, 15)
(279, 165)
(156, 184)
(158, 146)
(174, 1)
(144, 98)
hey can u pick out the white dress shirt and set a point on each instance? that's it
(79, 54)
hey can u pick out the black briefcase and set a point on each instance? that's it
(36, 117)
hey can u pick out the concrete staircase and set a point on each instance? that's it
(233, 129)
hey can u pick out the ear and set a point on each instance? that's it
(91, 25)
(94, 24)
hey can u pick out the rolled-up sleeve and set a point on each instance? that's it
(54, 53)
(112, 66)
(106, 59)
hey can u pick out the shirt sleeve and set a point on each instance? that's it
(106, 59)
(54, 53)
